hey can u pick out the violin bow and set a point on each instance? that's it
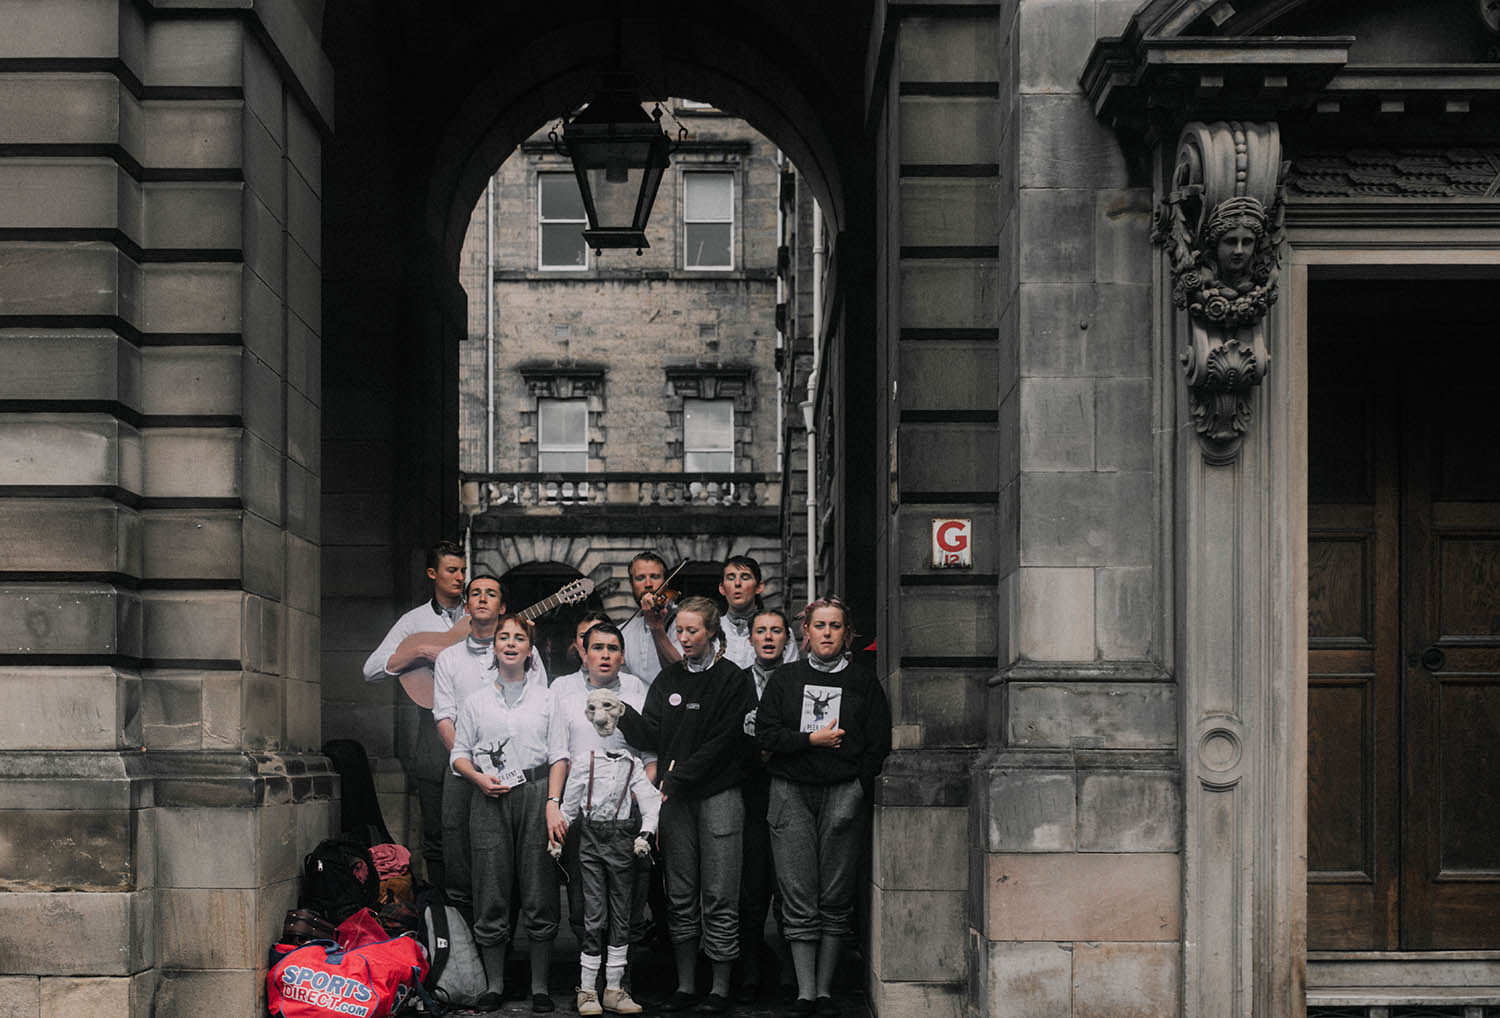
(663, 586)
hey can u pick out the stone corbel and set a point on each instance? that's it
(1221, 224)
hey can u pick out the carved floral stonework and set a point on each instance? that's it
(1221, 224)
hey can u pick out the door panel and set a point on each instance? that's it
(1450, 895)
(1353, 662)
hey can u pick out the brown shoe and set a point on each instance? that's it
(619, 1002)
(588, 1002)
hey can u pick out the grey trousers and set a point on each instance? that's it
(701, 848)
(457, 879)
(508, 857)
(609, 872)
(642, 887)
(815, 838)
(428, 766)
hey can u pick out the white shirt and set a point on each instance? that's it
(486, 724)
(641, 657)
(430, 617)
(465, 667)
(578, 682)
(571, 735)
(609, 799)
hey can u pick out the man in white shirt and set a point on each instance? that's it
(650, 643)
(412, 645)
(577, 681)
(741, 587)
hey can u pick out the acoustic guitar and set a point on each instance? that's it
(418, 681)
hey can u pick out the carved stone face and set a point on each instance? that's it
(1236, 248)
(604, 710)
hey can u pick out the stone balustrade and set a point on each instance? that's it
(525, 490)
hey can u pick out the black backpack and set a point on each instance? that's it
(339, 879)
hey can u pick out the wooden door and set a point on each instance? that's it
(1403, 620)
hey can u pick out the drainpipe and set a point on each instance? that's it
(780, 334)
(489, 326)
(811, 401)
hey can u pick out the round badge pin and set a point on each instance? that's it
(675, 699)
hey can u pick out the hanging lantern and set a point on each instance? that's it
(619, 153)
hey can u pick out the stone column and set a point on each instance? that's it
(1240, 617)
(159, 420)
(940, 206)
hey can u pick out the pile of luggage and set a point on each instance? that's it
(367, 940)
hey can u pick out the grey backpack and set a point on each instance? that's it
(456, 976)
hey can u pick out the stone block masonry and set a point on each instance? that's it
(1020, 361)
(159, 323)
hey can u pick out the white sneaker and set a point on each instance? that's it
(588, 1002)
(619, 1002)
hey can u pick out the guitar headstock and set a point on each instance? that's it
(576, 591)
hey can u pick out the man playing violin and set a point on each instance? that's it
(650, 643)
(415, 641)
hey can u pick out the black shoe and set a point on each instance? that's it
(489, 1000)
(714, 1004)
(541, 1003)
(826, 1008)
(800, 1007)
(749, 994)
(678, 1001)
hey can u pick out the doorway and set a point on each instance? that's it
(1403, 616)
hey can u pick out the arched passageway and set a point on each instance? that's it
(411, 158)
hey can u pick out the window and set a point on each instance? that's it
(562, 435)
(708, 435)
(560, 221)
(708, 220)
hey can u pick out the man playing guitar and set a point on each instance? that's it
(411, 650)
(413, 644)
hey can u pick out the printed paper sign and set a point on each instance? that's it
(490, 759)
(820, 705)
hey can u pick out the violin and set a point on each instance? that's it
(663, 601)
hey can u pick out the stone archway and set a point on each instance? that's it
(419, 150)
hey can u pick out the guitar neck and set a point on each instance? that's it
(542, 607)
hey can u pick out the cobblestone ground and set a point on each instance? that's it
(653, 978)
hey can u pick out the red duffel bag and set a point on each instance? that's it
(320, 980)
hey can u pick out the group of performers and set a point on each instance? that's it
(747, 759)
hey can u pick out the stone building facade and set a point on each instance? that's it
(1185, 305)
(619, 378)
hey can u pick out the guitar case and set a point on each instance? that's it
(360, 809)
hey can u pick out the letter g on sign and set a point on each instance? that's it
(952, 543)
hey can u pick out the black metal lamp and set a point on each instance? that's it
(619, 153)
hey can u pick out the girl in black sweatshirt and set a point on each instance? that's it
(694, 720)
(827, 724)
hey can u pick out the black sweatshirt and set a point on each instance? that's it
(863, 712)
(695, 723)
